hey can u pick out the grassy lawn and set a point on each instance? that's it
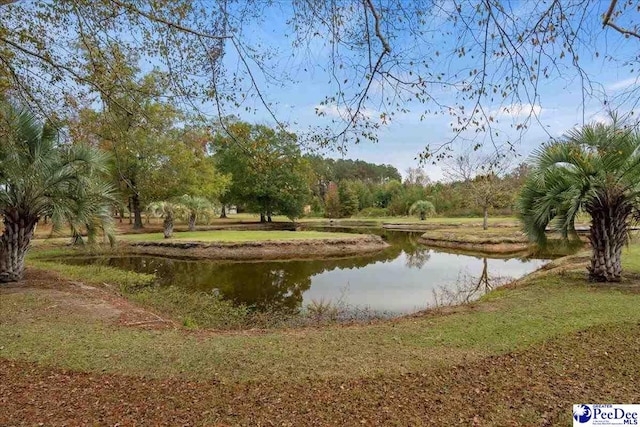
(34, 327)
(237, 236)
(478, 235)
(538, 343)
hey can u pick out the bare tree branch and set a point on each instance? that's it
(606, 22)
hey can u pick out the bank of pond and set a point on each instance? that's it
(404, 277)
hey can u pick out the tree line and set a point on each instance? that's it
(486, 189)
(593, 170)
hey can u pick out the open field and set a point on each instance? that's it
(538, 332)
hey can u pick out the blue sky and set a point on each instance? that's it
(559, 106)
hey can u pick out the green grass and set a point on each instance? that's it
(192, 309)
(93, 273)
(478, 235)
(238, 236)
(631, 257)
(547, 306)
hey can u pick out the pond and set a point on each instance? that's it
(404, 278)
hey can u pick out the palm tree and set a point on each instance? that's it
(40, 177)
(195, 207)
(423, 208)
(167, 210)
(595, 169)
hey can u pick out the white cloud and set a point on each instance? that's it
(517, 110)
(622, 84)
(335, 111)
(601, 118)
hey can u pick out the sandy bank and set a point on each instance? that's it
(268, 249)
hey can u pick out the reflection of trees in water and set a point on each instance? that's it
(264, 285)
(469, 288)
(484, 284)
(271, 284)
(417, 254)
(418, 258)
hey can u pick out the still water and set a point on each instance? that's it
(404, 278)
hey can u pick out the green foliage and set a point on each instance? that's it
(164, 208)
(348, 199)
(154, 156)
(332, 206)
(192, 309)
(268, 172)
(364, 194)
(423, 209)
(550, 305)
(327, 170)
(195, 208)
(95, 273)
(41, 177)
(597, 164)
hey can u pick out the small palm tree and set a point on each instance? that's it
(167, 210)
(40, 177)
(195, 207)
(595, 169)
(423, 208)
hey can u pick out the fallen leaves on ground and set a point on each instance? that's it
(533, 387)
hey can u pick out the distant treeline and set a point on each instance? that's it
(343, 188)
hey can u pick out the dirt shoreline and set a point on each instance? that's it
(265, 250)
(488, 247)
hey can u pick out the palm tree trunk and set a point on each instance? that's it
(168, 225)
(14, 244)
(192, 222)
(608, 236)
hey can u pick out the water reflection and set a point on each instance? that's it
(400, 279)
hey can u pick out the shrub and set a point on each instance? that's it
(423, 209)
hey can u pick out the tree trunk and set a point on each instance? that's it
(192, 222)
(168, 225)
(14, 243)
(608, 236)
(223, 214)
(137, 212)
(130, 211)
(423, 216)
(485, 219)
(76, 239)
(262, 217)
